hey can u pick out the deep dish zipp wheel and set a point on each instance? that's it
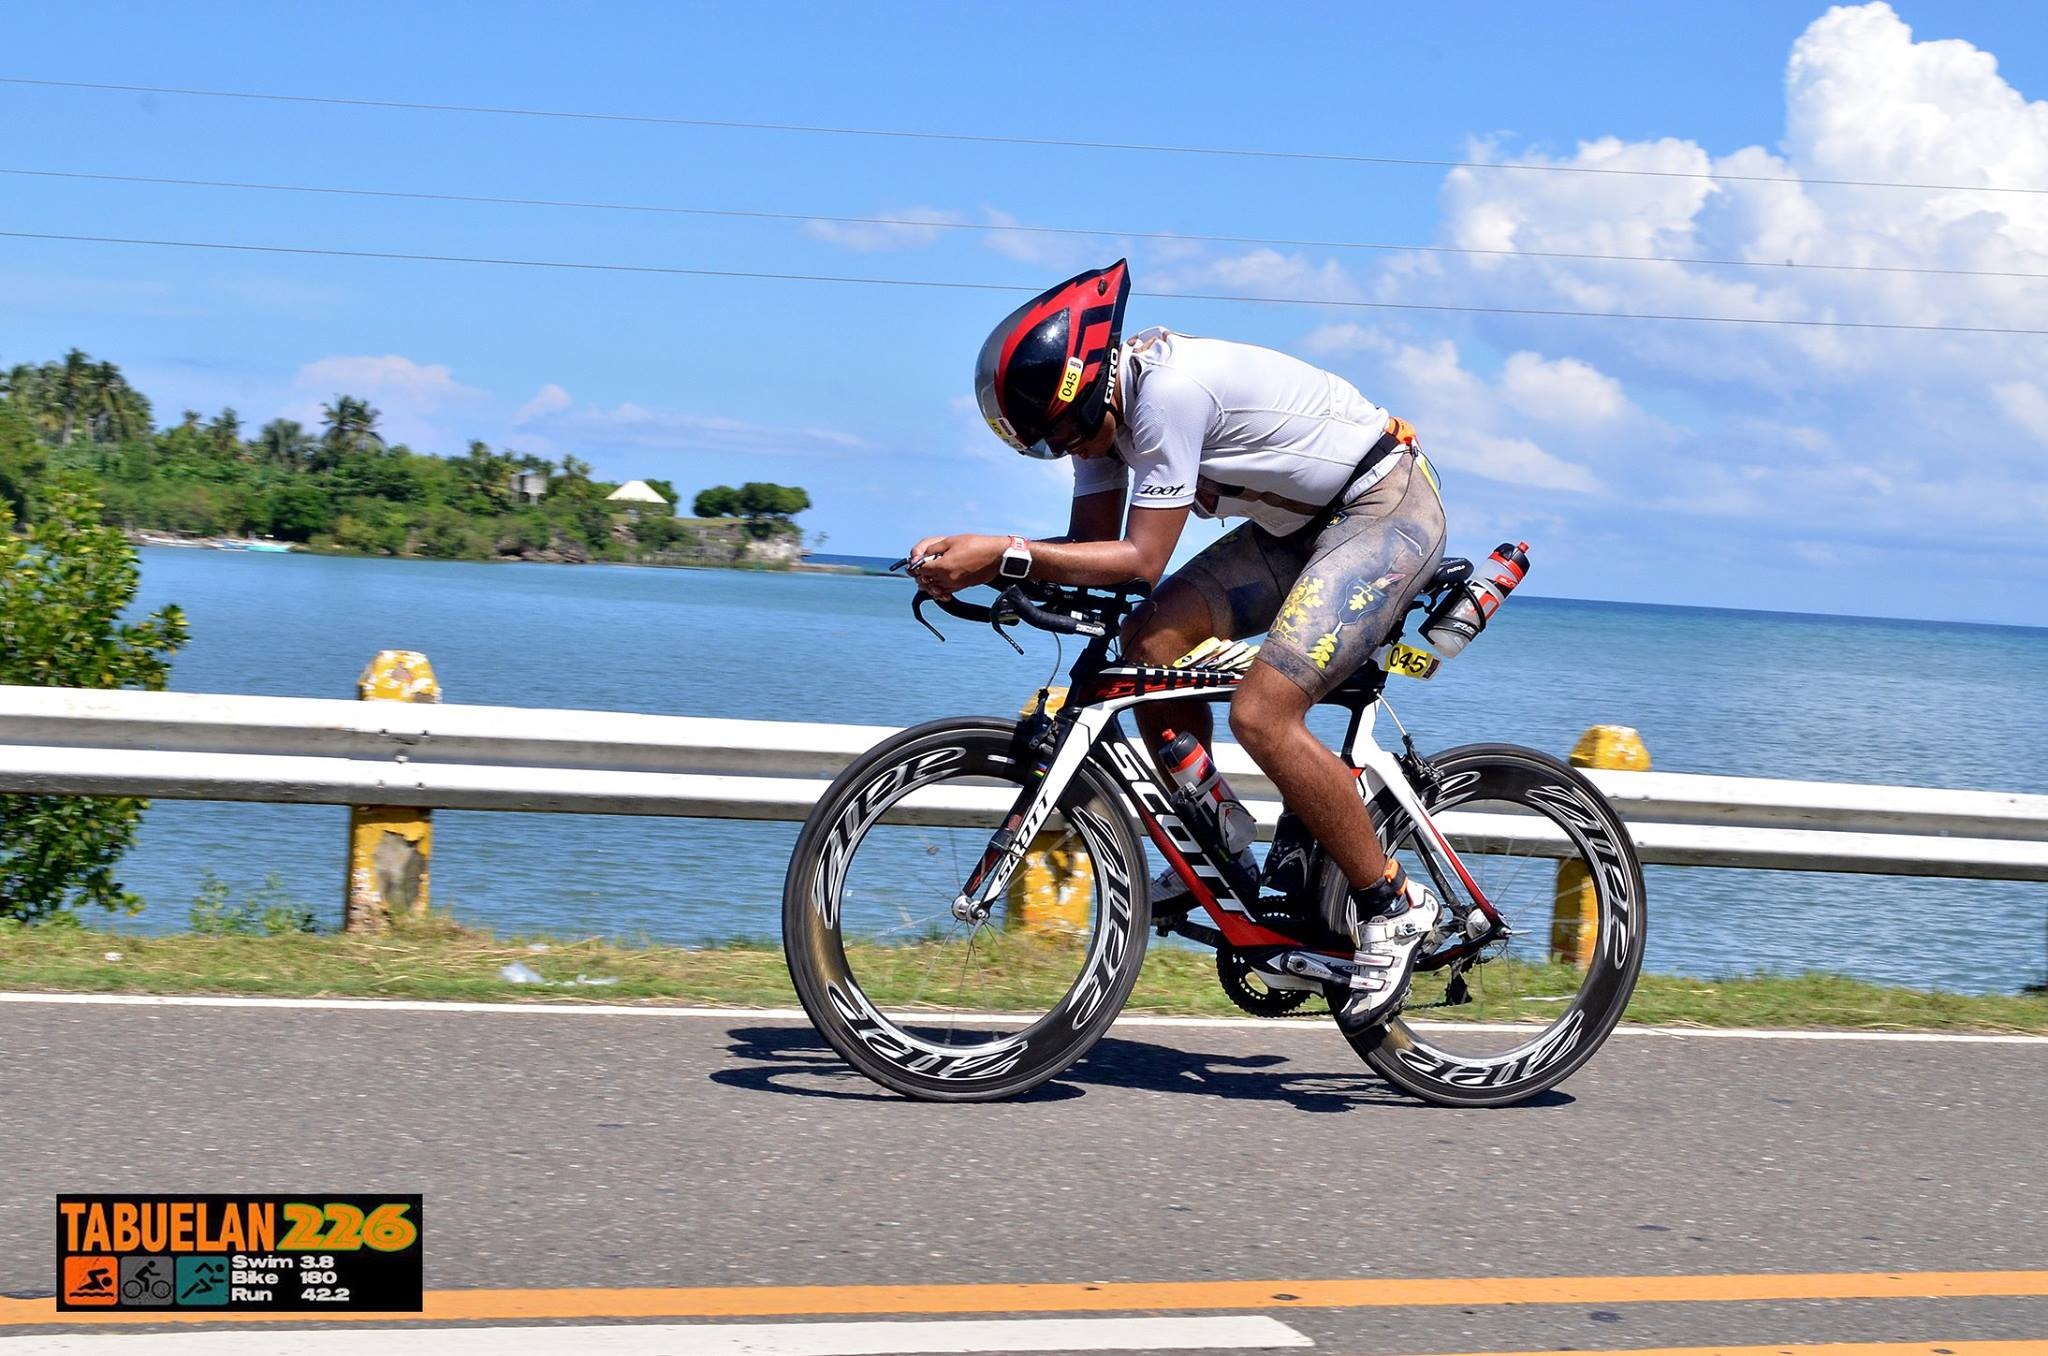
(1531, 826)
(919, 1001)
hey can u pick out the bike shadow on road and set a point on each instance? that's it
(795, 1061)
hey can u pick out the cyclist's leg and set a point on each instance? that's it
(1362, 568)
(1230, 590)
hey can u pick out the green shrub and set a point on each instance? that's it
(62, 591)
(266, 911)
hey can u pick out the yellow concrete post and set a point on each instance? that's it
(1053, 889)
(389, 846)
(1575, 915)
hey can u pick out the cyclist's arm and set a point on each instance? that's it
(1141, 553)
(1095, 517)
(1163, 460)
(957, 562)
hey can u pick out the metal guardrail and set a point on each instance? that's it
(194, 746)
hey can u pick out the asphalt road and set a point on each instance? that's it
(583, 1150)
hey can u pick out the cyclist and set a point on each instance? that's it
(1345, 528)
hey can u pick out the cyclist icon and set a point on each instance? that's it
(146, 1283)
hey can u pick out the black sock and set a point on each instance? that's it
(1387, 895)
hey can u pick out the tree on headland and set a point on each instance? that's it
(284, 442)
(720, 501)
(226, 432)
(76, 400)
(766, 506)
(338, 484)
(762, 499)
(351, 427)
(63, 589)
(755, 499)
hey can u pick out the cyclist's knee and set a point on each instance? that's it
(1266, 710)
(1172, 622)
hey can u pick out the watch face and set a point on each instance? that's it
(1015, 565)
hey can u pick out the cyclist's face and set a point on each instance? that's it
(1076, 444)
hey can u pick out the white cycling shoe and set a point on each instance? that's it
(1386, 956)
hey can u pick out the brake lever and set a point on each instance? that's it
(917, 603)
(1007, 602)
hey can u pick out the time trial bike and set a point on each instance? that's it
(967, 907)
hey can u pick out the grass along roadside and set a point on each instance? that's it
(435, 960)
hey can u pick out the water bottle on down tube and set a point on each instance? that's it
(1209, 805)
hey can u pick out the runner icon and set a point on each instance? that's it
(207, 1279)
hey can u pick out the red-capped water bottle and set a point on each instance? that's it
(1206, 797)
(1464, 613)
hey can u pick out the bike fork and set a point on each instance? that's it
(1044, 780)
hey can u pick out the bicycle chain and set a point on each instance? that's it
(1233, 972)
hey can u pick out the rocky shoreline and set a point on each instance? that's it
(721, 545)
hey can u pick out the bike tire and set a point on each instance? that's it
(1421, 1060)
(885, 1047)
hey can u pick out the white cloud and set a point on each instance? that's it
(427, 384)
(1804, 431)
(1518, 461)
(2026, 405)
(1560, 388)
(1262, 272)
(1344, 338)
(553, 421)
(549, 399)
(905, 228)
(1492, 428)
(411, 397)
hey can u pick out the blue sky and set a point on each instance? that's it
(1784, 467)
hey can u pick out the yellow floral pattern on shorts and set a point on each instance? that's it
(1306, 596)
(1320, 652)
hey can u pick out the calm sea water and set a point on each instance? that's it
(1711, 691)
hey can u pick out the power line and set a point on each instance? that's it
(953, 285)
(1186, 236)
(989, 139)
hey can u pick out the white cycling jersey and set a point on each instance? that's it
(1234, 429)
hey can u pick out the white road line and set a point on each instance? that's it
(1244, 1333)
(1316, 1024)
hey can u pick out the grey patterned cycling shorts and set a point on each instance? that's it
(1328, 594)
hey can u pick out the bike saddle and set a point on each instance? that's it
(1452, 570)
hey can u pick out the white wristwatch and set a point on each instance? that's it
(1016, 561)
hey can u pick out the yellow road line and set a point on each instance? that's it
(2015, 1347)
(818, 1300)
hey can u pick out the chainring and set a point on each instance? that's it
(1238, 978)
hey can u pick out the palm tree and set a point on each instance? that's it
(116, 412)
(284, 442)
(74, 387)
(226, 430)
(351, 426)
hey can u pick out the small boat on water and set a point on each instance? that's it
(249, 544)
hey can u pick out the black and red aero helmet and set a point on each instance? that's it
(1048, 363)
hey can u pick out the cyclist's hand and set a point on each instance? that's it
(957, 562)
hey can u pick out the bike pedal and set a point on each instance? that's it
(1310, 966)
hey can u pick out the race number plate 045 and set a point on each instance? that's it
(1410, 662)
